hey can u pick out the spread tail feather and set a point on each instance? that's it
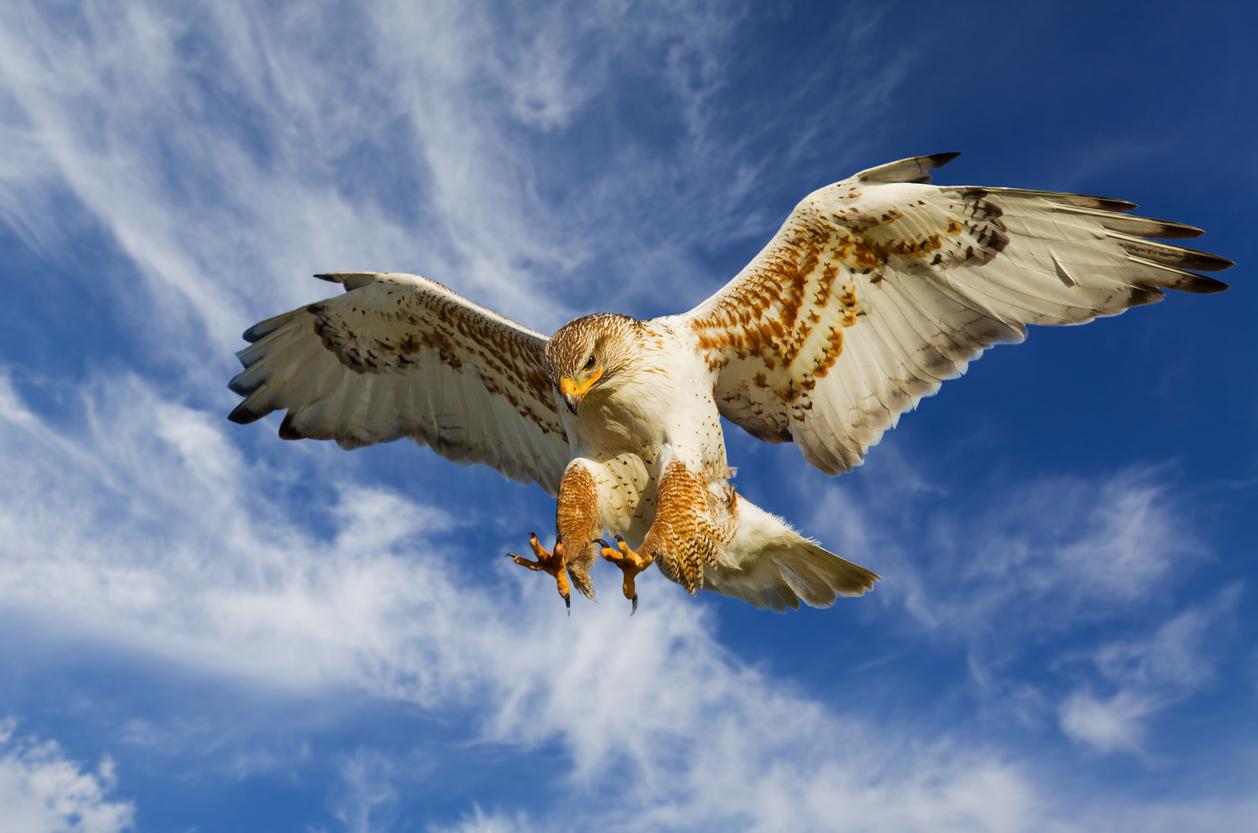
(818, 576)
(771, 565)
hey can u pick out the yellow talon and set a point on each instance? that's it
(552, 563)
(630, 563)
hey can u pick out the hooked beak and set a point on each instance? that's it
(574, 391)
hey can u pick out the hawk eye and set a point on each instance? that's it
(589, 363)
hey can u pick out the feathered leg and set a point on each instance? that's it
(692, 524)
(576, 524)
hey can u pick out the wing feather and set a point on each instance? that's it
(881, 286)
(400, 355)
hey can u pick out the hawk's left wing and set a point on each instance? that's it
(403, 356)
(879, 287)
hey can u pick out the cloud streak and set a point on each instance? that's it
(454, 141)
(439, 153)
(1145, 676)
(42, 791)
(1041, 554)
(157, 534)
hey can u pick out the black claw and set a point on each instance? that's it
(603, 543)
(532, 534)
(567, 602)
(634, 602)
(619, 540)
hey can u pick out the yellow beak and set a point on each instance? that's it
(574, 391)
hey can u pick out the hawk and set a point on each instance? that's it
(875, 290)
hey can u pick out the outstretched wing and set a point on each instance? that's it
(400, 355)
(879, 287)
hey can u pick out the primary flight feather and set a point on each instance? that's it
(875, 289)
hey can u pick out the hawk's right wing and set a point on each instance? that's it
(400, 355)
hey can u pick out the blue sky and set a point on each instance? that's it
(204, 628)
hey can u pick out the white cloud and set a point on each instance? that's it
(43, 792)
(1109, 724)
(399, 137)
(225, 223)
(142, 526)
(1171, 816)
(1020, 573)
(1145, 675)
(478, 821)
(1035, 555)
(365, 136)
(367, 799)
(418, 159)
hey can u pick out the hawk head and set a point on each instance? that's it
(590, 353)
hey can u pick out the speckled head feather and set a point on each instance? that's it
(608, 337)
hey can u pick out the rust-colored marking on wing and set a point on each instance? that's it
(772, 312)
(783, 322)
(432, 323)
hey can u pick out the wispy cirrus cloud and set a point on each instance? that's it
(453, 149)
(454, 141)
(1139, 677)
(1018, 575)
(156, 535)
(1060, 550)
(226, 217)
(367, 799)
(479, 821)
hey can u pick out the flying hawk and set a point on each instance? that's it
(876, 289)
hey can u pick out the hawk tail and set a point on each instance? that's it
(771, 565)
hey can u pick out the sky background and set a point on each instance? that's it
(205, 629)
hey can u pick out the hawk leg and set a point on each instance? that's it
(552, 563)
(693, 523)
(576, 524)
(630, 563)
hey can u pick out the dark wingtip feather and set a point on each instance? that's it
(237, 387)
(266, 327)
(912, 169)
(1168, 254)
(255, 332)
(1141, 295)
(287, 430)
(1202, 284)
(1111, 203)
(242, 415)
(1171, 230)
(1193, 259)
(330, 277)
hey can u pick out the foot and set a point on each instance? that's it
(552, 563)
(630, 563)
